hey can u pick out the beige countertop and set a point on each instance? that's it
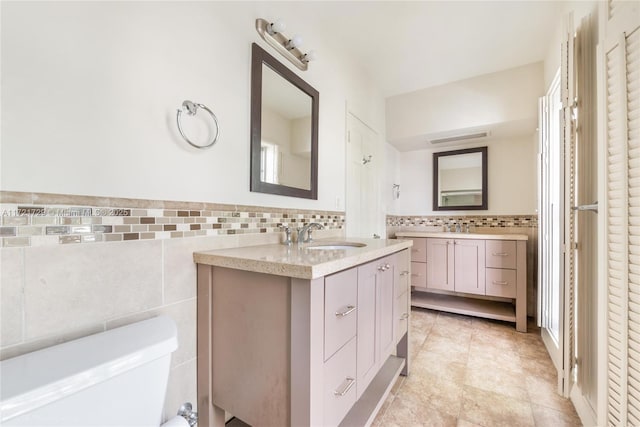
(448, 235)
(301, 261)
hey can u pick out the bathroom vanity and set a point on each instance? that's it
(482, 275)
(314, 334)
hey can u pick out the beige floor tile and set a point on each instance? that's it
(544, 416)
(489, 358)
(427, 363)
(435, 391)
(410, 412)
(541, 367)
(495, 410)
(498, 381)
(471, 372)
(544, 393)
(484, 339)
(449, 348)
(465, 423)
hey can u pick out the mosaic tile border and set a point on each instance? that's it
(493, 221)
(37, 219)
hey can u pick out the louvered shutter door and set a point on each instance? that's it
(616, 237)
(622, 130)
(633, 178)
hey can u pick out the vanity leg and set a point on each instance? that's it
(402, 350)
(521, 286)
(209, 415)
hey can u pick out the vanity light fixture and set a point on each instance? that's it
(271, 32)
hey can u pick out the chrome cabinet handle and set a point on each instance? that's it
(346, 386)
(500, 282)
(404, 316)
(416, 274)
(387, 266)
(404, 273)
(350, 309)
(500, 254)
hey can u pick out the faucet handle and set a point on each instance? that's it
(287, 234)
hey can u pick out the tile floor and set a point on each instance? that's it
(469, 372)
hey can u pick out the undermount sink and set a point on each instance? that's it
(336, 245)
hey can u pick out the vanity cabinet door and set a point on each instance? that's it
(440, 265)
(376, 323)
(367, 354)
(469, 266)
(385, 306)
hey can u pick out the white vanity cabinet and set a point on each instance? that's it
(287, 351)
(475, 274)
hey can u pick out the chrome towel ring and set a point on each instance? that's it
(191, 108)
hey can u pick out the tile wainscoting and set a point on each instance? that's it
(503, 224)
(53, 291)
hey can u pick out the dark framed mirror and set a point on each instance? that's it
(284, 129)
(460, 180)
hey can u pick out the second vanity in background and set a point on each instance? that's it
(301, 335)
(482, 275)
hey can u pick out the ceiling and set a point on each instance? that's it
(407, 46)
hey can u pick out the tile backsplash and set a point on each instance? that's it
(492, 221)
(59, 220)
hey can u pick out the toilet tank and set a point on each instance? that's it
(114, 378)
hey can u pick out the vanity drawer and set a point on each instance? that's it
(339, 384)
(419, 274)
(500, 282)
(419, 250)
(340, 301)
(501, 253)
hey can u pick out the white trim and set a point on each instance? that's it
(584, 410)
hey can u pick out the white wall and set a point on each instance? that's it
(90, 92)
(503, 102)
(512, 179)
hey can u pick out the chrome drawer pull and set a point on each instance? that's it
(345, 388)
(404, 273)
(500, 254)
(350, 309)
(404, 316)
(387, 266)
(503, 282)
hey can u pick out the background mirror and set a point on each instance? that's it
(284, 130)
(460, 179)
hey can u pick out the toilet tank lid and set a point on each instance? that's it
(41, 377)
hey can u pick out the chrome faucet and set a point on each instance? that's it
(307, 230)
